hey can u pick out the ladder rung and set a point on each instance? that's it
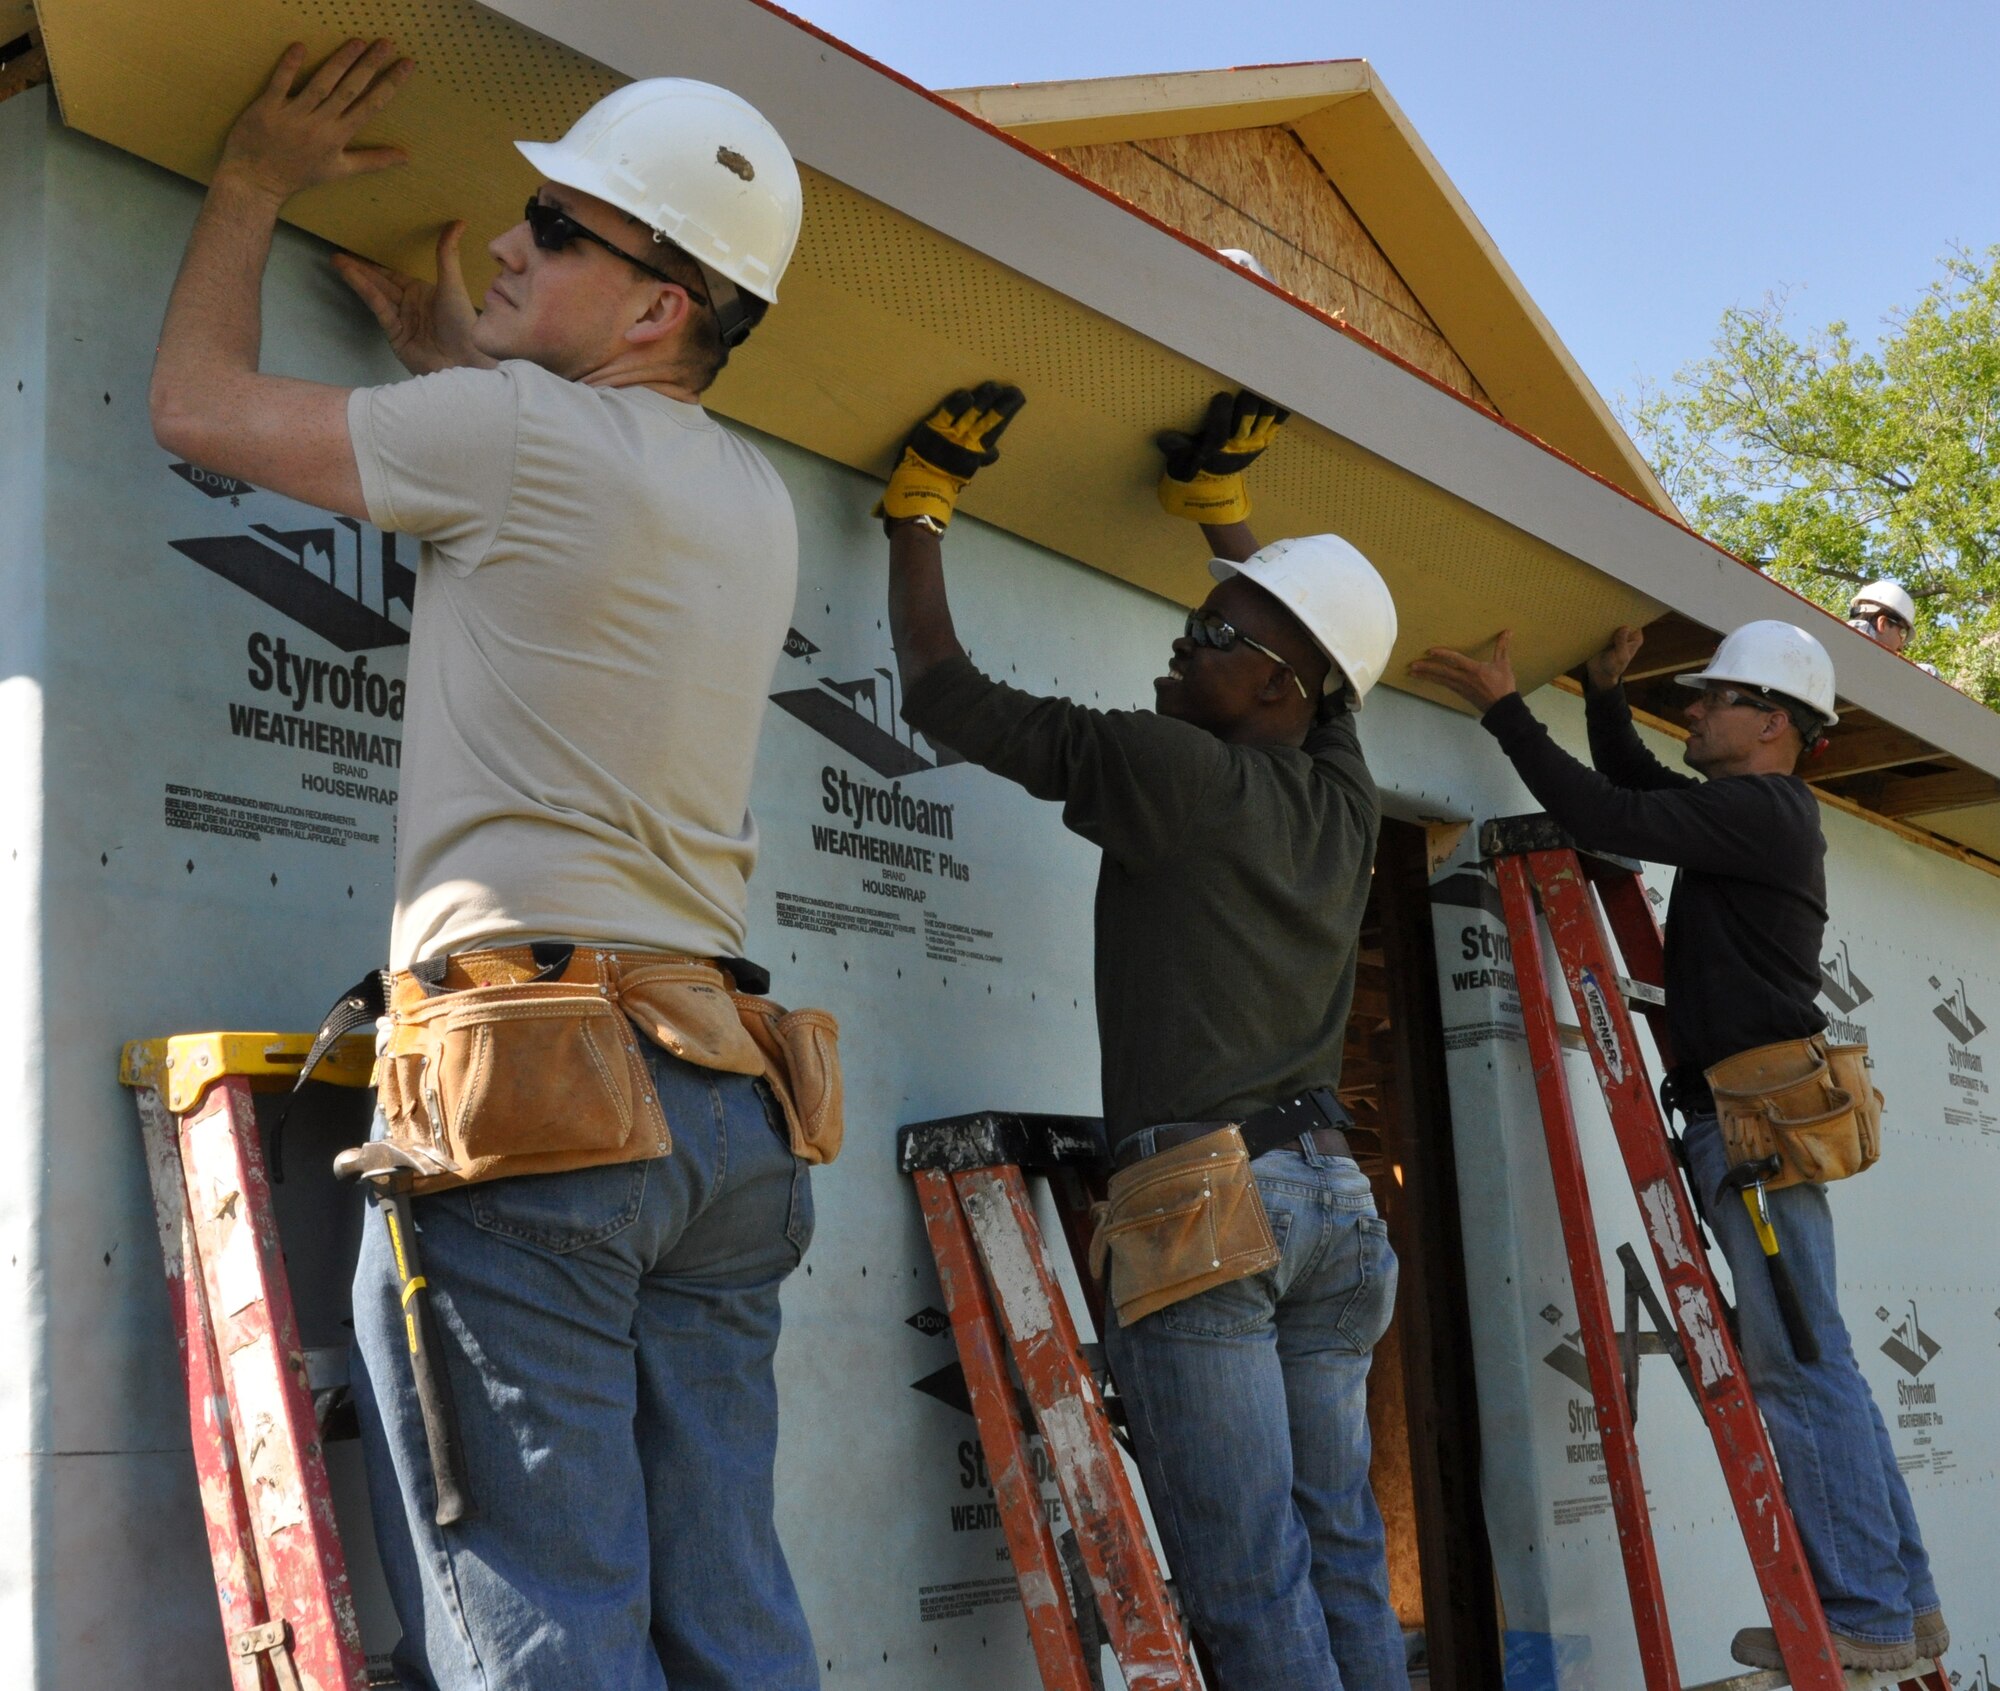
(1857, 1679)
(1642, 992)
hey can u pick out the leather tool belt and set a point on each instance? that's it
(1808, 1103)
(1186, 1216)
(1318, 1112)
(525, 1059)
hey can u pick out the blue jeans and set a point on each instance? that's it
(1847, 1495)
(609, 1337)
(1249, 1415)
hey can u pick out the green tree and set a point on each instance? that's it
(1830, 465)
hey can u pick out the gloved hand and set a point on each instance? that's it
(1204, 479)
(942, 453)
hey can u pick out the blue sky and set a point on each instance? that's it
(1642, 166)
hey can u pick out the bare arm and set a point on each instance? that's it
(1233, 541)
(210, 402)
(920, 624)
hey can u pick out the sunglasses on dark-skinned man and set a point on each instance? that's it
(1205, 628)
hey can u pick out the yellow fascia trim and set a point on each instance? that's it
(185, 1065)
(1144, 108)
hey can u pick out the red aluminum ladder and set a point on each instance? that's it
(288, 1618)
(1005, 1304)
(1535, 862)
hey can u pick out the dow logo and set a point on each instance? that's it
(339, 579)
(859, 716)
(1957, 1014)
(1908, 1345)
(1840, 985)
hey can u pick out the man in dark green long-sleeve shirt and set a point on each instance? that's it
(1238, 823)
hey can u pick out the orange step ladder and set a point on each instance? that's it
(1536, 864)
(288, 1618)
(1006, 1307)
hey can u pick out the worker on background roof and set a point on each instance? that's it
(605, 584)
(1237, 821)
(1743, 943)
(1885, 612)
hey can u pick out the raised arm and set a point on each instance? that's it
(1615, 746)
(940, 455)
(210, 402)
(1203, 481)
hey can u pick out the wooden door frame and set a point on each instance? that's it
(1461, 1619)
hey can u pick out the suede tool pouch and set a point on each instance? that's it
(801, 1051)
(1181, 1222)
(1811, 1105)
(526, 1078)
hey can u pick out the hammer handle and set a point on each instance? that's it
(420, 1328)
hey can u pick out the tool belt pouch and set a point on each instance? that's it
(1809, 1104)
(801, 1057)
(528, 1078)
(1179, 1223)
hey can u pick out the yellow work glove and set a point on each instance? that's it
(942, 453)
(1204, 479)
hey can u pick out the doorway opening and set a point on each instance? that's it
(1422, 1404)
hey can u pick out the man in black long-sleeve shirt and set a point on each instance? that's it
(1238, 822)
(1742, 951)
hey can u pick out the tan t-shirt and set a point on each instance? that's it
(606, 581)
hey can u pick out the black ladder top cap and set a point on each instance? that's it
(996, 1138)
(1514, 836)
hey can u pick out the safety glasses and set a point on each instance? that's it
(554, 229)
(1205, 628)
(1727, 698)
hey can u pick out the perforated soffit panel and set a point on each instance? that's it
(879, 314)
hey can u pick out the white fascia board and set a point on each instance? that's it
(883, 136)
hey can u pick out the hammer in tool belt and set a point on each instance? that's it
(387, 1171)
(1748, 1178)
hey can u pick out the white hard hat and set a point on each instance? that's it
(1336, 593)
(1886, 596)
(695, 163)
(1246, 260)
(1773, 657)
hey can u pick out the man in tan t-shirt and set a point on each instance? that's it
(605, 584)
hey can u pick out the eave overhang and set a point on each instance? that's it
(939, 250)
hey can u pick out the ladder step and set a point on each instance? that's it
(1642, 992)
(1856, 1679)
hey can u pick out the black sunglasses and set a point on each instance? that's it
(554, 229)
(1205, 628)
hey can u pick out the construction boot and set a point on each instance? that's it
(1933, 1636)
(1757, 1647)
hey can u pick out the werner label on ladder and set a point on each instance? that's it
(1772, 1112)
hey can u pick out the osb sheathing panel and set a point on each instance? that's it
(1260, 189)
(878, 315)
(1453, 265)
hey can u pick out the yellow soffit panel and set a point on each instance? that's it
(879, 315)
(17, 17)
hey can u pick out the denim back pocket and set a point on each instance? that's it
(1373, 1272)
(799, 1221)
(558, 1212)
